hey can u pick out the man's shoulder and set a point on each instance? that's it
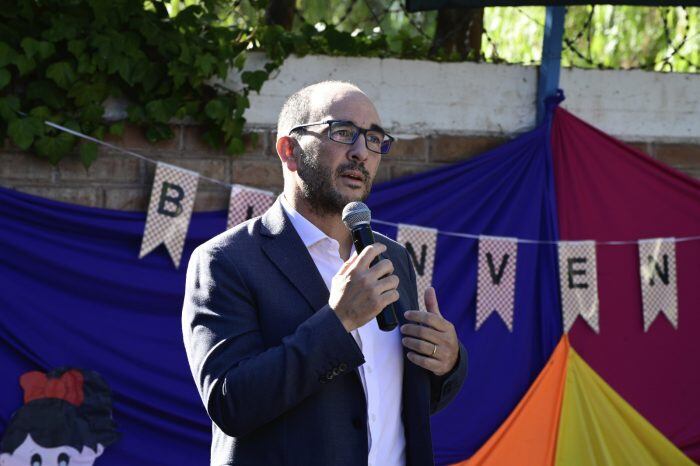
(238, 238)
(392, 246)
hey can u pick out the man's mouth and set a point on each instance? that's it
(353, 175)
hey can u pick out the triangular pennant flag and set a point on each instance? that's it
(579, 283)
(170, 210)
(496, 281)
(657, 267)
(598, 427)
(420, 242)
(247, 203)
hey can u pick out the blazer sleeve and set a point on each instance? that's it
(443, 389)
(242, 383)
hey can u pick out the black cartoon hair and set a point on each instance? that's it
(53, 422)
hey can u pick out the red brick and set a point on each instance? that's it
(134, 137)
(215, 167)
(413, 149)
(193, 143)
(119, 168)
(25, 166)
(456, 148)
(259, 174)
(212, 199)
(134, 198)
(679, 155)
(86, 196)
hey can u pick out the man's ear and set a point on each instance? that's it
(286, 145)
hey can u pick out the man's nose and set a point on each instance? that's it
(359, 150)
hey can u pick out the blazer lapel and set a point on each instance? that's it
(286, 250)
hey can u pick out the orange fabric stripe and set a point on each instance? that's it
(529, 435)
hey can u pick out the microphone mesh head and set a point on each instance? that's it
(356, 213)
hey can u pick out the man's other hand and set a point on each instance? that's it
(432, 339)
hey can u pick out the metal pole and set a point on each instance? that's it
(548, 80)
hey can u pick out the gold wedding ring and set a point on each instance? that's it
(434, 350)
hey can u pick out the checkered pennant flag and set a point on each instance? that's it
(170, 210)
(657, 266)
(420, 243)
(247, 203)
(496, 281)
(578, 279)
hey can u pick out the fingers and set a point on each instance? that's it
(368, 254)
(422, 333)
(426, 318)
(430, 299)
(382, 268)
(348, 263)
(419, 346)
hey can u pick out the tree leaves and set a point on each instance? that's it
(23, 131)
(61, 73)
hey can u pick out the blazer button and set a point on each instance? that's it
(343, 367)
(329, 375)
(357, 423)
(336, 371)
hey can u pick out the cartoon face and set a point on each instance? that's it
(31, 454)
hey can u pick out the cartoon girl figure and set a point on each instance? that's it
(66, 420)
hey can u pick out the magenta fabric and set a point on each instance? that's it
(608, 191)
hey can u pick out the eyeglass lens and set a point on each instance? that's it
(347, 133)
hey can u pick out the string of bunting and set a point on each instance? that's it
(172, 201)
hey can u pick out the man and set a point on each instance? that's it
(279, 312)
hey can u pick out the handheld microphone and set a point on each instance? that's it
(356, 216)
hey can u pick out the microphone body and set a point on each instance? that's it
(362, 237)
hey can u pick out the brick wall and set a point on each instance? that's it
(118, 181)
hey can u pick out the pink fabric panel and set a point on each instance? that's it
(609, 191)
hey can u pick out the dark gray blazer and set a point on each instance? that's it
(275, 368)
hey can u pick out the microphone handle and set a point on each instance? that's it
(361, 237)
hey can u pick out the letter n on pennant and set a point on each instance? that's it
(420, 243)
(247, 203)
(657, 267)
(169, 210)
(579, 283)
(496, 280)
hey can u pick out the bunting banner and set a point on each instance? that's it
(657, 267)
(420, 242)
(170, 210)
(579, 283)
(496, 282)
(247, 203)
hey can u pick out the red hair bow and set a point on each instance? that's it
(68, 387)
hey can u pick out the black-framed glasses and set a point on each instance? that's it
(347, 132)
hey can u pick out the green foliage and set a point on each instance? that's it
(60, 60)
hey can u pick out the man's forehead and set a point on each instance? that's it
(346, 104)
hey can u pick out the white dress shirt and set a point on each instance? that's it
(382, 372)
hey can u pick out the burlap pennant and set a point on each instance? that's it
(657, 261)
(578, 279)
(496, 280)
(247, 203)
(420, 243)
(170, 210)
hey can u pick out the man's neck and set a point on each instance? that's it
(330, 224)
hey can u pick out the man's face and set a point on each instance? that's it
(331, 174)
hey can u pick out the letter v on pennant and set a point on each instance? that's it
(496, 280)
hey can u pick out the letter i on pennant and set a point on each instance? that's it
(169, 210)
(578, 280)
(247, 203)
(496, 280)
(420, 242)
(657, 267)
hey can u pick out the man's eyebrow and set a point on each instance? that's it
(376, 127)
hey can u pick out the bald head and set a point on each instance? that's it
(313, 102)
